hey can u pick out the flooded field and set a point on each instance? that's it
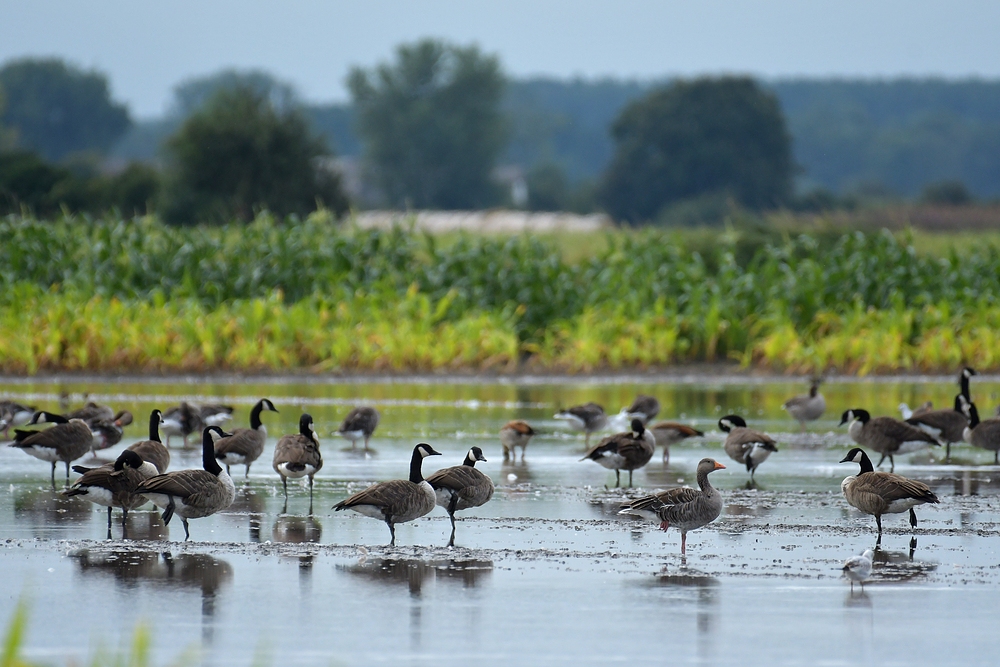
(546, 572)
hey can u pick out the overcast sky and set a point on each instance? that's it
(148, 47)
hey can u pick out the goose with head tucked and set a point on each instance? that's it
(588, 418)
(66, 441)
(644, 408)
(153, 450)
(398, 500)
(624, 451)
(359, 424)
(114, 484)
(298, 456)
(108, 432)
(886, 435)
(878, 493)
(745, 445)
(245, 445)
(461, 487)
(945, 426)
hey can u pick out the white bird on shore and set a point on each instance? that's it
(859, 568)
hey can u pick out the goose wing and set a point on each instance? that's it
(154, 452)
(683, 429)
(900, 431)
(608, 445)
(187, 484)
(655, 501)
(297, 449)
(243, 441)
(392, 497)
(466, 481)
(891, 486)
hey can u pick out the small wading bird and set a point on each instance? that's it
(398, 500)
(684, 508)
(588, 418)
(193, 494)
(808, 407)
(878, 493)
(859, 568)
(461, 487)
(745, 445)
(624, 451)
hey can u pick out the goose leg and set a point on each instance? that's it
(310, 495)
(284, 483)
(53, 475)
(879, 465)
(67, 473)
(124, 524)
(666, 454)
(451, 541)
(892, 464)
(947, 453)
(996, 457)
(187, 533)
(366, 442)
(913, 518)
(878, 522)
(109, 523)
(168, 512)
(684, 538)
(392, 533)
(618, 478)
(246, 475)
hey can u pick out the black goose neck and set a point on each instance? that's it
(154, 427)
(469, 460)
(866, 464)
(963, 381)
(208, 461)
(255, 415)
(973, 415)
(415, 462)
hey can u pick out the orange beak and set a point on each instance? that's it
(719, 466)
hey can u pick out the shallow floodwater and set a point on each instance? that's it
(546, 573)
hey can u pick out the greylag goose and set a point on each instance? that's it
(66, 441)
(670, 433)
(245, 445)
(624, 451)
(808, 407)
(114, 484)
(461, 487)
(153, 450)
(193, 494)
(684, 508)
(298, 456)
(745, 445)
(398, 500)
(886, 435)
(360, 423)
(588, 418)
(515, 434)
(878, 493)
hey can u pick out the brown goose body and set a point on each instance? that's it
(398, 500)
(298, 455)
(683, 508)
(624, 451)
(808, 407)
(886, 435)
(461, 487)
(982, 434)
(878, 493)
(153, 450)
(589, 417)
(644, 408)
(946, 426)
(114, 484)
(359, 424)
(66, 441)
(245, 445)
(670, 433)
(108, 432)
(14, 414)
(91, 412)
(182, 420)
(515, 434)
(745, 445)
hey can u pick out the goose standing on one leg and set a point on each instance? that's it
(886, 435)
(298, 456)
(515, 434)
(808, 407)
(670, 433)
(245, 445)
(878, 493)
(114, 485)
(461, 487)
(153, 450)
(745, 445)
(684, 508)
(359, 423)
(624, 451)
(66, 441)
(588, 418)
(398, 500)
(193, 494)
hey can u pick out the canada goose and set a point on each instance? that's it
(643, 408)
(624, 451)
(91, 412)
(908, 414)
(14, 414)
(66, 441)
(245, 445)
(152, 450)
(963, 381)
(879, 493)
(670, 433)
(192, 494)
(808, 407)
(946, 426)
(215, 414)
(982, 434)
(886, 435)
(182, 420)
(114, 484)
(461, 487)
(359, 423)
(515, 434)
(398, 500)
(588, 418)
(745, 445)
(684, 508)
(108, 432)
(859, 568)
(298, 456)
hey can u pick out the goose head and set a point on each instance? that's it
(425, 450)
(637, 428)
(854, 414)
(729, 422)
(130, 459)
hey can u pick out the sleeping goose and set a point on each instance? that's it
(153, 450)
(192, 494)
(360, 423)
(588, 418)
(684, 508)
(298, 456)
(745, 445)
(670, 433)
(108, 432)
(245, 445)
(624, 451)
(461, 487)
(886, 435)
(13, 414)
(398, 500)
(808, 407)
(982, 434)
(91, 412)
(946, 426)
(878, 493)
(114, 484)
(643, 408)
(66, 441)
(515, 434)
(182, 420)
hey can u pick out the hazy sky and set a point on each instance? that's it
(148, 47)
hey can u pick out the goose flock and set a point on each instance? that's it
(140, 473)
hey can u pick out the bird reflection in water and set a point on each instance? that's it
(251, 503)
(130, 568)
(691, 584)
(44, 508)
(298, 530)
(513, 473)
(899, 566)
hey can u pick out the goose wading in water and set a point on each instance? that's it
(359, 424)
(670, 433)
(624, 451)
(153, 450)
(114, 484)
(808, 407)
(298, 456)
(877, 493)
(66, 441)
(983, 434)
(515, 434)
(886, 435)
(684, 508)
(946, 426)
(245, 445)
(588, 418)
(745, 445)
(398, 500)
(461, 487)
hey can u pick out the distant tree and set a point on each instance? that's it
(547, 188)
(946, 193)
(239, 153)
(191, 95)
(56, 109)
(431, 125)
(691, 138)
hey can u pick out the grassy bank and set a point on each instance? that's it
(116, 295)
